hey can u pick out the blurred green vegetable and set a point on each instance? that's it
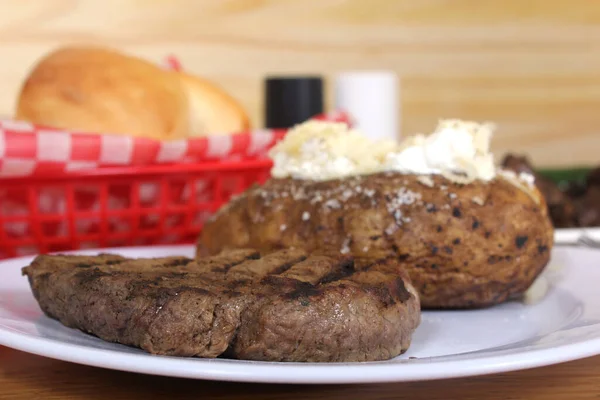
(561, 176)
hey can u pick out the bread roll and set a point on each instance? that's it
(95, 89)
(100, 90)
(212, 111)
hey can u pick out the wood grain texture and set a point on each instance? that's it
(24, 376)
(531, 66)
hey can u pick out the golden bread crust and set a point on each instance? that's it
(100, 90)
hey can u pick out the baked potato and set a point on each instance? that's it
(463, 245)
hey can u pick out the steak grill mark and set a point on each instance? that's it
(186, 307)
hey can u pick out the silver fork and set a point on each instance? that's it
(586, 241)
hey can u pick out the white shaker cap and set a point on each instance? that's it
(371, 99)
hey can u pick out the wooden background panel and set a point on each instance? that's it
(533, 67)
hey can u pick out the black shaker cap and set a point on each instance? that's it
(292, 100)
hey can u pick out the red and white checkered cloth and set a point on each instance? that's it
(29, 150)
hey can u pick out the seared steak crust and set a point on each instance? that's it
(283, 306)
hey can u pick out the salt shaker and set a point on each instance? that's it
(371, 99)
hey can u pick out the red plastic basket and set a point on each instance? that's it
(63, 191)
(113, 207)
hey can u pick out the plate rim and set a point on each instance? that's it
(298, 373)
(325, 373)
(564, 236)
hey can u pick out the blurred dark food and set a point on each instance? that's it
(593, 178)
(588, 207)
(573, 189)
(517, 164)
(572, 204)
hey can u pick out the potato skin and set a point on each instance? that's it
(464, 246)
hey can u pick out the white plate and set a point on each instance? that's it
(563, 326)
(571, 235)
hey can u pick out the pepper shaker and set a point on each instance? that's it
(292, 100)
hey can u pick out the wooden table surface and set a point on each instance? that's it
(25, 376)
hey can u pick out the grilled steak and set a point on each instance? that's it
(283, 306)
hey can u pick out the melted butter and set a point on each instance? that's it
(319, 150)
